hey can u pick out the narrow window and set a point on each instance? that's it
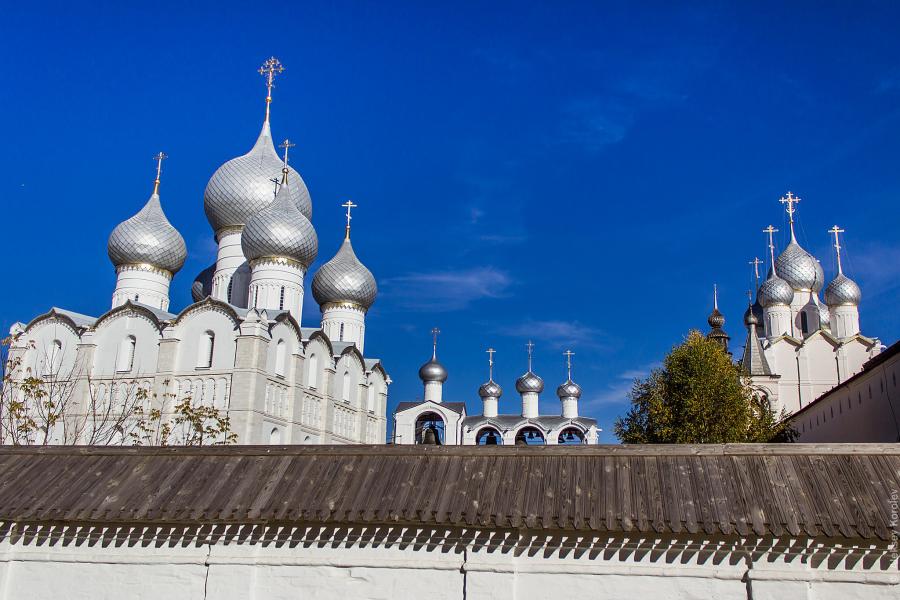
(137, 297)
(370, 401)
(205, 350)
(54, 358)
(280, 357)
(345, 393)
(312, 377)
(126, 355)
(281, 299)
(256, 297)
(228, 292)
(341, 334)
(804, 323)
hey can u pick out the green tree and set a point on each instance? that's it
(699, 396)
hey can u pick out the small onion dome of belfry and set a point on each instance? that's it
(568, 389)
(344, 279)
(490, 388)
(148, 237)
(433, 371)
(529, 382)
(842, 291)
(281, 231)
(242, 187)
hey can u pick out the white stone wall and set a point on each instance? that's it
(400, 564)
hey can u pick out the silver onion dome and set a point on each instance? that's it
(824, 316)
(344, 279)
(280, 230)
(148, 238)
(775, 290)
(202, 286)
(569, 389)
(750, 317)
(242, 187)
(433, 371)
(800, 268)
(490, 389)
(529, 382)
(842, 291)
(716, 319)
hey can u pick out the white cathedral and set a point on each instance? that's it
(240, 347)
(798, 346)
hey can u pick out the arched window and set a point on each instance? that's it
(281, 299)
(529, 436)
(570, 436)
(370, 398)
(275, 436)
(228, 292)
(137, 297)
(205, 350)
(341, 334)
(312, 376)
(54, 358)
(125, 361)
(430, 429)
(488, 436)
(280, 358)
(345, 388)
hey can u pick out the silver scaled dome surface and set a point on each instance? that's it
(529, 382)
(202, 286)
(754, 313)
(433, 371)
(775, 290)
(569, 389)
(280, 230)
(344, 279)
(148, 238)
(242, 187)
(490, 389)
(842, 291)
(800, 268)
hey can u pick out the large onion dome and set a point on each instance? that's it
(148, 238)
(774, 291)
(529, 382)
(800, 268)
(842, 291)
(202, 286)
(490, 389)
(344, 279)
(280, 230)
(433, 371)
(242, 187)
(569, 389)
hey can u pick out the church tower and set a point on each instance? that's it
(280, 243)
(345, 290)
(569, 392)
(490, 391)
(530, 387)
(147, 252)
(716, 321)
(238, 190)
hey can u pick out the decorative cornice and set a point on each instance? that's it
(228, 229)
(132, 310)
(343, 305)
(145, 267)
(213, 304)
(277, 260)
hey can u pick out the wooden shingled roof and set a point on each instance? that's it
(793, 489)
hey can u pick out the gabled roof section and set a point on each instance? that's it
(457, 407)
(754, 362)
(131, 306)
(77, 322)
(210, 302)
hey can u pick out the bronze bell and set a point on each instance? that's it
(491, 439)
(430, 436)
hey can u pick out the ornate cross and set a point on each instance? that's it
(569, 354)
(530, 347)
(434, 334)
(790, 200)
(771, 231)
(269, 70)
(349, 205)
(756, 262)
(837, 245)
(158, 158)
(490, 352)
(286, 144)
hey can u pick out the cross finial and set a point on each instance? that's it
(490, 352)
(771, 231)
(790, 200)
(749, 297)
(434, 334)
(348, 205)
(287, 145)
(158, 158)
(837, 246)
(530, 347)
(756, 262)
(269, 70)
(568, 354)
(277, 183)
(715, 297)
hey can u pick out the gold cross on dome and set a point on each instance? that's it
(434, 335)
(286, 144)
(771, 231)
(158, 158)
(269, 70)
(569, 354)
(490, 352)
(756, 262)
(837, 245)
(530, 347)
(350, 205)
(790, 200)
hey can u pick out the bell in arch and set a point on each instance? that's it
(491, 439)
(430, 436)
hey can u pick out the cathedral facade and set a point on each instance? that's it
(240, 348)
(798, 345)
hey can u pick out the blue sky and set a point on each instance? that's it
(577, 174)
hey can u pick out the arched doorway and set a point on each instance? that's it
(488, 436)
(430, 428)
(529, 436)
(570, 436)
